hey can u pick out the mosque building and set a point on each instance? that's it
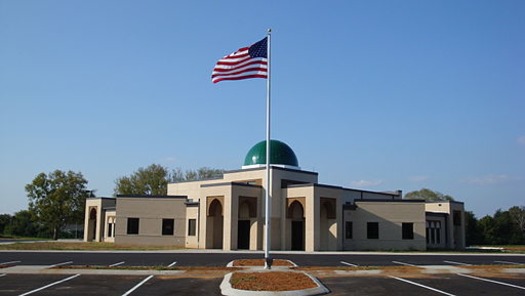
(228, 213)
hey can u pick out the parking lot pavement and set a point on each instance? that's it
(370, 286)
(434, 285)
(440, 284)
(181, 286)
(83, 285)
(18, 284)
(461, 285)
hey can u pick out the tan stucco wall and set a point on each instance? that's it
(150, 223)
(100, 205)
(390, 215)
(455, 233)
(193, 240)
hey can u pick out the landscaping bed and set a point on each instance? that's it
(271, 281)
(261, 262)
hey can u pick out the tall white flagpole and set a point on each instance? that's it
(268, 259)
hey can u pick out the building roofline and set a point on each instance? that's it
(390, 200)
(231, 184)
(342, 188)
(200, 180)
(96, 197)
(276, 167)
(152, 196)
(446, 201)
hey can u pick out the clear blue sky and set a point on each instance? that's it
(380, 95)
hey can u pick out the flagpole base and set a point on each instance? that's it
(268, 263)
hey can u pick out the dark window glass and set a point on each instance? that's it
(408, 230)
(372, 230)
(348, 230)
(110, 228)
(192, 227)
(133, 226)
(167, 226)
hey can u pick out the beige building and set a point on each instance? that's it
(228, 213)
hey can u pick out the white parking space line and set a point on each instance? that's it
(137, 285)
(117, 264)
(349, 264)
(9, 262)
(50, 285)
(3, 274)
(422, 286)
(60, 264)
(457, 263)
(172, 264)
(509, 262)
(491, 281)
(403, 263)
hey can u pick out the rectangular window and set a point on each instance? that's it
(407, 230)
(110, 228)
(133, 226)
(348, 230)
(192, 227)
(167, 226)
(372, 230)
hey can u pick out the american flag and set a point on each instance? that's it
(246, 62)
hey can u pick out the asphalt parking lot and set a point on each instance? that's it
(506, 281)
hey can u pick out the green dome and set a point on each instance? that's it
(281, 154)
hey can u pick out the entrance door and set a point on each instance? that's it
(298, 235)
(243, 235)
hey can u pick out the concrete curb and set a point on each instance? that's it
(230, 264)
(42, 269)
(228, 290)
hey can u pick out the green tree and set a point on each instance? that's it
(152, 180)
(500, 229)
(22, 224)
(518, 216)
(5, 220)
(473, 235)
(57, 199)
(203, 173)
(428, 195)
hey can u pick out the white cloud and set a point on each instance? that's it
(521, 140)
(489, 179)
(366, 183)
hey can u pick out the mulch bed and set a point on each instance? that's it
(271, 281)
(260, 262)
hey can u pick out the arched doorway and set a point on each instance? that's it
(215, 228)
(92, 225)
(243, 227)
(296, 215)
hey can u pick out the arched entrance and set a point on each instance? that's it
(92, 225)
(246, 220)
(296, 215)
(243, 227)
(214, 227)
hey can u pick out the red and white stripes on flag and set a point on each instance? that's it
(247, 62)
